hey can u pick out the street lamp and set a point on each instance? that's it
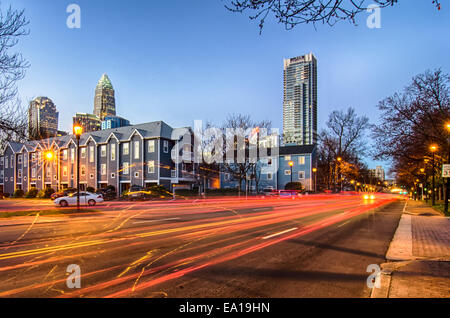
(314, 170)
(339, 160)
(78, 131)
(291, 164)
(447, 190)
(433, 149)
(48, 156)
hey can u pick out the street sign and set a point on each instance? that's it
(446, 171)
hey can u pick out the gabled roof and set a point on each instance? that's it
(297, 150)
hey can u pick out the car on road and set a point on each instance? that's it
(63, 193)
(86, 198)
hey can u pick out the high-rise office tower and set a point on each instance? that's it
(42, 119)
(89, 122)
(300, 100)
(105, 102)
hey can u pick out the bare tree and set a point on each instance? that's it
(240, 170)
(343, 139)
(13, 117)
(291, 13)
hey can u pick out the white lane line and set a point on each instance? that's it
(152, 221)
(280, 233)
(344, 224)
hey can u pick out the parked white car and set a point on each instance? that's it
(86, 198)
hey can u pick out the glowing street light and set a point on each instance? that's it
(314, 170)
(78, 131)
(291, 164)
(433, 149)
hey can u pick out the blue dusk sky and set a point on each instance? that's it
(183, 60)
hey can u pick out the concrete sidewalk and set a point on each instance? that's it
(419, 256)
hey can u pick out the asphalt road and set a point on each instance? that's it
(317, 246)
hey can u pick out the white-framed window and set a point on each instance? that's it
(83, 171)
(113, 175)
(103, 151)
(6, 162)
(126, 148)
(91, 176)
(136, 174)
(227, 177)
(25, 161)
(33, 173)
(269, 176)
(151, 146)
(83, 152)
(12, 179)
(19, 159)
(113, 152)
(33, 157)
(136, 150)
(301, 175)
(301, 160)
(39, 158)
(287, 158)
(71, 177)
(2, 174)
(72, 154)
(19, 173)
(91, 154)
(287, 172)
(103, 169)
(2, 161)
(151, 166)
(25, 178)
(64, 154)
(173, 173)
(126, 168)
(166, 146)
(64, 171)
(269, 161)
(39, 178)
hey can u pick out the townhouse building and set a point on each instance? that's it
(274, 172)
(122, 157)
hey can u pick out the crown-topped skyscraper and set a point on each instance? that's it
(105, 102)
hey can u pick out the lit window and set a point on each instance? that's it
(83, 153)
(91, 154)
(126, 168)
(301, 160)
(64, 171)
(151, 146)
(64, 154)
(113, 152)
(126, 148)
(103, 151)
(25, 161)
(72, 155)
(33, 173)
(287, 158)
(83, 170)
(103, 169)
(287, 172)
(151, 167)
(136, 150)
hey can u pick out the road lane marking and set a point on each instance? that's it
(344, 224)
(280, 233)
(152, 221)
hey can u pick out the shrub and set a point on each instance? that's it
(45, 194)
(19, 193)
(297, 186)
(32, 193)
(90, 189)
(6, 195)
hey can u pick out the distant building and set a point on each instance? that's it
(89, 122)
(111, 122)
(300, 101)
(42, 119)
(379, 173)
(105, 102)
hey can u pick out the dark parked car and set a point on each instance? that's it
(108, 193)
(62, 193)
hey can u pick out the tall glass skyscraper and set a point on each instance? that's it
(42, 119)
(300, 100)
(105, 102)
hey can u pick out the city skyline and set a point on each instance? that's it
(173, 72)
